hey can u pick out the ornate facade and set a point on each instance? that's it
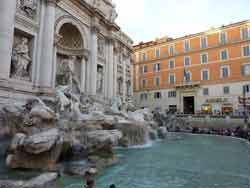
(50, 43)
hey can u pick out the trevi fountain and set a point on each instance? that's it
(66, 108)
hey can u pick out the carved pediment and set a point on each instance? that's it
(105, 7)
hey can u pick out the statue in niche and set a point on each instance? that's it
(101, 47)
(128, 85)
(66, 74)
(29, 7)
(99, 79)
(21, 61)
(119, 84)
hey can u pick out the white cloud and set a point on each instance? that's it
(145, 20)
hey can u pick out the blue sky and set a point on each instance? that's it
(144, 20)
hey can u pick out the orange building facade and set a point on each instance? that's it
(208, 69)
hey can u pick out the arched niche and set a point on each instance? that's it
(71, 57)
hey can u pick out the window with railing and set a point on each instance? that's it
(223, 38)
(204, 42)
(157, 53)
(171, 64)
(172, 79)
(245, 33)
(157, 67)
(204, 58)
(186, 45)
(224, 54)
(187, 61)
(225, 71)
(246, 69)
(205, 74)
(246, 50)
(171, 50)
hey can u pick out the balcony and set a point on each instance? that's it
(188, 85)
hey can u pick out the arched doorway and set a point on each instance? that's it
(70, 58)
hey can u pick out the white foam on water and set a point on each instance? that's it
(149, 144)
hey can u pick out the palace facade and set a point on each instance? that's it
(210, 69)
(50, 43)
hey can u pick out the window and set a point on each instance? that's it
(246, 50)
(225, 71)
(171, 64)
(205, 91)
(223, 37)
(186, 45)
(172, 108)
(245, 33)
(187, 61)
(145, 69)
(204, 58)
(171, 50)
(187, 76)
(157, 67)
(172, 94)
(141, 70)
(144, 83)
(205, 75)
(246, 69)
(172, 79)
(144, 57)
(226, 90)
(158, 53)
(224, 54)
(157, 95)
(203, 42)
(157, 81)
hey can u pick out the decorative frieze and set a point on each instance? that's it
(28, 7)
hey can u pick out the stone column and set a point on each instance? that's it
(7, 15)
(115, 75)
(110, 68)
(92, 65)
(124, 78)
(131, 79)
(47, 55)
(83, 74)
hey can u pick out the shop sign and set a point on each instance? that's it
(217, 100)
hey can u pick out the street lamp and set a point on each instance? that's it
(244, 105)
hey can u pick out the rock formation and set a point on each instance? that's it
(39, 151)
(73, 127)
(48, 180)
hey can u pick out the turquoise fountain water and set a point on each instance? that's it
(186, 162)
(189, 162)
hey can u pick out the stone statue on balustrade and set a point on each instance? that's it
(99, 84)
(21, 60)
(113, 15)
